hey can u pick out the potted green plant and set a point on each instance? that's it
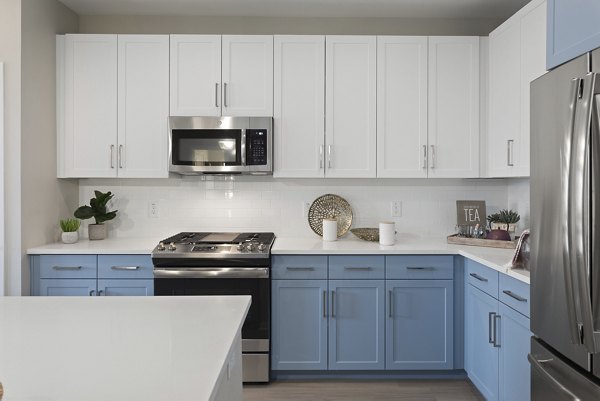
(69, 229)
(97, 210)
(502, 224)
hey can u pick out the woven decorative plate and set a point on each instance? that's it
(367, 234)
(330, 207)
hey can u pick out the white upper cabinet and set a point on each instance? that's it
(116, 106)
(350, 106)
(299, 113)
(402, 106)
(247, 75)
(517, 57)
(453, 121)
(90, 107)
(195, 75)
(143, 112)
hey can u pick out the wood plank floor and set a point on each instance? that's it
(364, 390)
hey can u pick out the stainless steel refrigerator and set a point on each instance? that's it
(565, 232)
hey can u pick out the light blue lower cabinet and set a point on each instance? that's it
(356, 325)
(123, 287)
(419, 324)
(481, 359)
(299, 325)
(66, 287)
(514, 340)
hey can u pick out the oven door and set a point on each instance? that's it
(224, 281)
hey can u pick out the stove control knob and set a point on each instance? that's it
(161, 246)
(240, 247)
(262, 247)
(249, 246)
(172, 247)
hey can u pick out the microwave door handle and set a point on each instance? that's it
(243, 147)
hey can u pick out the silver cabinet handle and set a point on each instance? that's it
(124, 267)
(321, 157)
(509, 153)
(112, 156)
(225, 94)
(324, 303)
(100, 293)
(478, 277)
(490, 327)
(216, 94)
(120, 156)
(294, 268)
(66, 267)
(424, 157)
(333, 304)
(432, 156)
(420, 268)
(515, 296)
(328, 156)
(361, 268)
(391, 297)
(495, 330)
(92, 293)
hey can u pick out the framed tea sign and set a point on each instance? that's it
(470, 213)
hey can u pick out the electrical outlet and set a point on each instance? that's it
(305, 208)
(153, 209)
(396, 207)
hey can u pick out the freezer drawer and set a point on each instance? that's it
(552, 379)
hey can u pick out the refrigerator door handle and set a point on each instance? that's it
(538, 366)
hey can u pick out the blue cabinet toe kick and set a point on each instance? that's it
(458, 374)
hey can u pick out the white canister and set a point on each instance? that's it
(329, 229)
(387, 233)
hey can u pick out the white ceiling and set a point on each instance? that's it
(302, 8)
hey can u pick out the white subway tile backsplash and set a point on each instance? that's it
(269, 204)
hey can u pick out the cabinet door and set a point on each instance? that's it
(504, 132)
(573, 29)
(420, 324)
(299, 115)
(453, 107)
(299, 325)
(124, 287)
(481, 359)
(515, 344)
(90, 141)
(402, 106)
(143, 106)
(195, 88)
(248, 76)
(350, 106)
(356, 325)
(67, 287)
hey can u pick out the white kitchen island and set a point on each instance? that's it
(121, 348)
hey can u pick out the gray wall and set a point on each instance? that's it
(299, 26)
(44, 198)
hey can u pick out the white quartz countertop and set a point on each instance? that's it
(497, 259)
(116, 348)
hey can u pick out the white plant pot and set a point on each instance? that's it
(502, 226)
(70, 237)
(97, 231)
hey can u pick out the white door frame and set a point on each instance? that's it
(2, 244)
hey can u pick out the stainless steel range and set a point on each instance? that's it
(192, 263)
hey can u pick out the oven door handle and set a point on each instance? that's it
(211, 272)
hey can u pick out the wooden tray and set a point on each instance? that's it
(490, 243)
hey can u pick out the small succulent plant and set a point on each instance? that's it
(70, 225)
(504, 217)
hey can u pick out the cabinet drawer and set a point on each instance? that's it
(288, 267)
(482, 277)
(419, 267)
(356, 267)
(68, 266)
(514, 293)
(125, 266)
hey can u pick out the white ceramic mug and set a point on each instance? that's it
(387, 233)
(329, 229)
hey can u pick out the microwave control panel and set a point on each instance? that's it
(256, 147)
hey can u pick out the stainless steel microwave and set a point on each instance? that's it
(221, 145)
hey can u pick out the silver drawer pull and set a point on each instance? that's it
(478, 277)
(304, 269)
(66, 267)
(362, 268)
(515, 296)
(125, 267)
(419, 268)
